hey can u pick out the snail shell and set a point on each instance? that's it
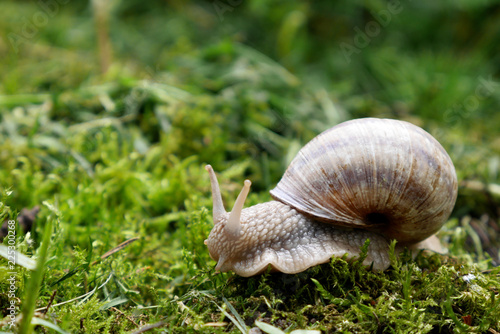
(382, 175)
(376, 179)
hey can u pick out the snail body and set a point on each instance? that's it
(376, 179)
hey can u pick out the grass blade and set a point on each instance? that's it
(19, 258)
(234, 321)
(234, 312)
(33, 285)
(113, 302)
(269, 329)
(41, 322)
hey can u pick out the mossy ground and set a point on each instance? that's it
(111, 147)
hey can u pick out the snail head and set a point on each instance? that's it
(229, 222)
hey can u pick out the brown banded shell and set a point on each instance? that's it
(382, 175)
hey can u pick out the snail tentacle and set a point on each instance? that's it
(233, 225)
(218, 206)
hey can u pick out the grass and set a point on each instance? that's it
(115, 161)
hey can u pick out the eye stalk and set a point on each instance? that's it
(218, 206)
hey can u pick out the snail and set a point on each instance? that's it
(369, 178)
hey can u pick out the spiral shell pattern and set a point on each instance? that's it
(382, 175)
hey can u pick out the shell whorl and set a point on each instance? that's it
(382, 175)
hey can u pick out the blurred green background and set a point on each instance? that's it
(109, 109)
(290, 68)
(254, 80)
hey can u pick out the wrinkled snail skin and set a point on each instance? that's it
(376, 179)
(290, 242)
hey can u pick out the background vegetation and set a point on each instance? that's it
(111, 109)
